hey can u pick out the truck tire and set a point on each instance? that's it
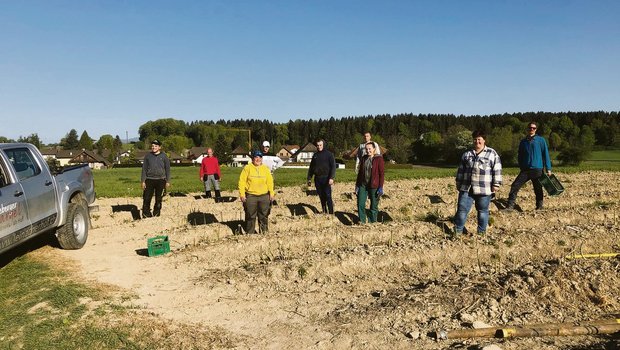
(73, 234)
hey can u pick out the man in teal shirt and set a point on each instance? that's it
(533, 160)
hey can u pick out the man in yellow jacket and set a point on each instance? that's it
(256, 193)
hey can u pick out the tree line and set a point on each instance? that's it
(409, 138)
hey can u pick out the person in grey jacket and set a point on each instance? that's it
(155, 179)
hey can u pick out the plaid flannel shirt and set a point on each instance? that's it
(479, 172)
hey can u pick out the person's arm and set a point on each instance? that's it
(460, 172)
(332, 168)
(202, 168)
(217, 169)
(270, 186)
(545, 154)
(167, 169)
(381, 171)
(145, 165)
(496, 169)
(310, 171)
(243, 181)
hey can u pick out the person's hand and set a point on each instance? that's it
(494, 189)
(167, 184)
(272, 198)
(331, 182)
(144, 185)
(548, 172)
(242, 198)
(380, 192)
(309, 183)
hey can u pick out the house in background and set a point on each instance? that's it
(352, 154)
(240, 157)
(287, 152)
(195, 154)
(72, 157)
(305, 153)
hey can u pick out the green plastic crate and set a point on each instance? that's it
(158, 245)
(551, 184)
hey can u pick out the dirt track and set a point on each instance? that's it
(316, 281)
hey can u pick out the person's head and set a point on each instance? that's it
(370, 148)
(320, 144)
(531, 128)
(266, 146)
(257, 158)
(367, 136)
(209, 152)
(155, 146)
(479, 139)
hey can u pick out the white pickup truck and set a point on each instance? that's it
(34, 201)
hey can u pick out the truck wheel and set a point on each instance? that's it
(73, 234)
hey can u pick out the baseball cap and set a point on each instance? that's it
(156, 142)
(266, 144)
(257, 154)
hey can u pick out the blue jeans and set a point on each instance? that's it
(324, 190)
(464, 206)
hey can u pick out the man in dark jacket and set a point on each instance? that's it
(323, 168)
(533, 160)
(155, 179)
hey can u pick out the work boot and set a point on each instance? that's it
(539, 206)
(208, 194)
(146, 214)
(218, 196)
(509, 207)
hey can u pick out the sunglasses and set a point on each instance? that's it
(532, 128)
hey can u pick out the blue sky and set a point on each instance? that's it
(107, 67)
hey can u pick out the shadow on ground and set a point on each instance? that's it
(132, 208)
(301, 209)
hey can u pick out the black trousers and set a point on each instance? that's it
(523, 177)
(257, 206)
(157, 187)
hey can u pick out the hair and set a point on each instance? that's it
(478, 133)
(366, 132)
(371, 143)
(319, 140)
(530, 123)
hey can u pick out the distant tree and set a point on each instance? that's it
(85, 142)
(105, 142)
(427, 148)
(117, 145)
(162, 128)
(505, 143)
(70, 141)
(572, 155)
(222, 151)
(5, 140)
(176, 143)
(457, 141)
(555, 141)
(32, 138)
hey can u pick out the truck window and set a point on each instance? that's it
(3, 178)
(23, 162)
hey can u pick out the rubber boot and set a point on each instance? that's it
(218, 196)
(208, 194)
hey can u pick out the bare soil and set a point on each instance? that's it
(322, 282)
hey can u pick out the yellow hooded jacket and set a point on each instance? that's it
(255, 180)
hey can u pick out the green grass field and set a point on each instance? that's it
(125, 182)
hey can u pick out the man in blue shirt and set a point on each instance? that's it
(533, 160)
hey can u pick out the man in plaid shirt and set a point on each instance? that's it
(478, 177)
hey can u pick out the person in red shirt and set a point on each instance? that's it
(210, 174)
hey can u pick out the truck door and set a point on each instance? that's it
(38, 186)
(14, 222)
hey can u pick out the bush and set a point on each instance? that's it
(573, 155)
